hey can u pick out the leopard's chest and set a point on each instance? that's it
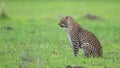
(69, 38)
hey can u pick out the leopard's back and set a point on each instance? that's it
(88, 37)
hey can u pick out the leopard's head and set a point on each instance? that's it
(64, 21)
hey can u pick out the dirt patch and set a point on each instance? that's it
(69, 66)
(92, 17)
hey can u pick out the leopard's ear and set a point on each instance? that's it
(67, 17)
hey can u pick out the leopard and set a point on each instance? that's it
(81, 38)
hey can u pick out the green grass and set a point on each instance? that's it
(30, 36)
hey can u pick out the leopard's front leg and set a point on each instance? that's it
(75, 45)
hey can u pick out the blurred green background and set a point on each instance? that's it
(31, 38)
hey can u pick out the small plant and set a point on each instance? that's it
(2, 12)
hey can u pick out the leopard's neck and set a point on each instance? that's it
(73, 26)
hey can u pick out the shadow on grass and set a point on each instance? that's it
(69, 66)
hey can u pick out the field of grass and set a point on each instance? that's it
(31, 38)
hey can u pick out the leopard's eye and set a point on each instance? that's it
(61, 20)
